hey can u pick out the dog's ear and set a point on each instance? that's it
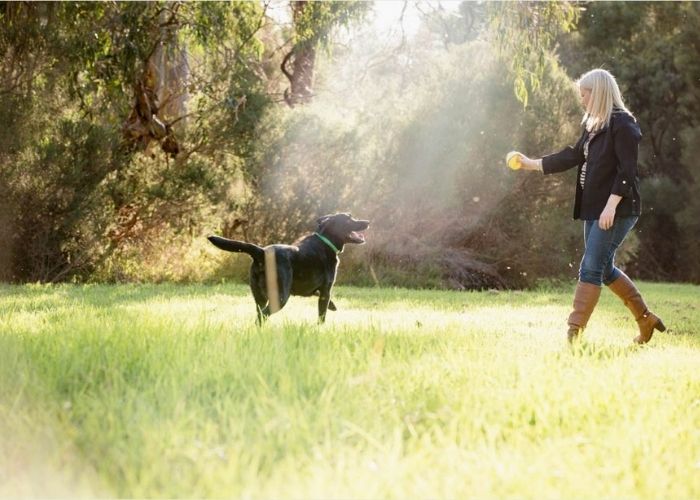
(321, 222)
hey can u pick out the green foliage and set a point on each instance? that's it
(687, 216)
(314, 21)
(220, 23)
(76, 192)
(411, 136)
(72, 75)
(525, 33)
(421, 155)
(659, 77)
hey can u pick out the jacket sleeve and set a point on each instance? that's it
(626, 139)
(569, 157)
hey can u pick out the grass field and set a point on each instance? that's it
(171, 391)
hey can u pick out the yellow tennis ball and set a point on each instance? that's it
(513, 160)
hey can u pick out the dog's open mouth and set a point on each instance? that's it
(356, 237)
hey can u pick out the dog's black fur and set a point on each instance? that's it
(309, 268)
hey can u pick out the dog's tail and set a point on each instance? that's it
(258, 253)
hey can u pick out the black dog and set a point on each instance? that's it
(309, 268)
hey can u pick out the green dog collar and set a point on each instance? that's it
(327, 242)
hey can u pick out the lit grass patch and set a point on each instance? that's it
(171, 391)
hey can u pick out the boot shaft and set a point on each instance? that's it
(585, 299)
(628, 292)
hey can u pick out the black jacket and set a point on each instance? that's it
(611, 168)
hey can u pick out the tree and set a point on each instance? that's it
(525, 33)
(129, 120)
(313, 22)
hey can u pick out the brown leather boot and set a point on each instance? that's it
(585, 299)
(646, 320)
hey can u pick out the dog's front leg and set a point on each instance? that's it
(323, 300)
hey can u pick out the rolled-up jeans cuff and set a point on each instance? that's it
(616, 273)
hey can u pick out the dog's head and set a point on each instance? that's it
(342, 228)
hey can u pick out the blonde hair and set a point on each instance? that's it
(605, 94)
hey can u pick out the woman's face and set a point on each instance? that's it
(585, 97)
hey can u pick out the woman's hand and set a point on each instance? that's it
(607, 216)
(529, 163)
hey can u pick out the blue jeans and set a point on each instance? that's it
(598, 262)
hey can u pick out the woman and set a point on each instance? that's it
(607, 198)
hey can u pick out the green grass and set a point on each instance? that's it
(171, 391)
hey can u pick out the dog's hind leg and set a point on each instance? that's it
(331, 304)
(262, 314)
(262, 307)
(285, 288)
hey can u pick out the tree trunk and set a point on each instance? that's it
(302, 59)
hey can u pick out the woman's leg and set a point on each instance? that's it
(622, 286)
(597, 266)
(598, 263)
(647, 321)
(612, 272)
(586, 295)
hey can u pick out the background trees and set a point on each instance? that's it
(653, 49)
(134, 129)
